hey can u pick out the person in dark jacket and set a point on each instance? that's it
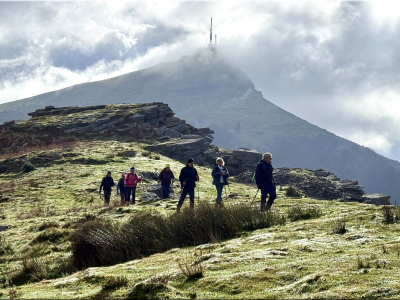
(265, 182)
(107, 183)
(188, 178)
(121, 188)
(166, 177)
(220, 175)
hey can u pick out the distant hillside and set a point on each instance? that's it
(207, 91)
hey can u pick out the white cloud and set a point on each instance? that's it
(332, 63)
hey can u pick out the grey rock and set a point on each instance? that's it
(321, 173)
(3, 227)
(128, 153)
(377, 199)
(147, 197)
(156, 189)
(171, 133)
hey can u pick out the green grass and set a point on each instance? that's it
(300, 259)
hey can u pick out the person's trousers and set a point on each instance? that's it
(165, 191)
(107, 196)
(185, 191)
(220, 188)
(122, 193)
(272, 196)
(129, 191)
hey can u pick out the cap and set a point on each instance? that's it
(109, 172)
(190, 160)
(167, 165)
(133, 168)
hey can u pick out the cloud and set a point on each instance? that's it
(333, 63)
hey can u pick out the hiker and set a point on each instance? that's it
(220, 174)
(166, 177)
(121, 188)
(187, 178)
(131, 181)
(265, 182)
(107, 183)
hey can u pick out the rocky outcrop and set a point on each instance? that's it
(130, 121)
(377, 199)
(186, 147)
(239, 161)
(318, 184)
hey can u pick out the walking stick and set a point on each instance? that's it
(255, 196)
(225, 192)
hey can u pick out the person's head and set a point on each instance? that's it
(109, 174)
(220, 161)
(123, 175)
(267, 157)
(190, 162)
(132, 170)
(167, 167)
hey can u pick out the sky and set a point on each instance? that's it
(335, 64)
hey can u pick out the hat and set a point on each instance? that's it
(133, 168)
(109, 172)
(190, 160)
(167, 166)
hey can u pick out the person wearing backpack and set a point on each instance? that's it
(265, 181)
(107, 183)
(220, 176)
(187, 178)
(131, 181)
(121, 188)
(166, 177)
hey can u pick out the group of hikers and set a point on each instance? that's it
(126, 186)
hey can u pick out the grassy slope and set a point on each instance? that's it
(299, 259)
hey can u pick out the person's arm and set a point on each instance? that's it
(113, 183)
(138, 179)
(258, 175)
(215, 172)
(160, 177)
(197, 175)
(101, 185)
(181, 177)
(227, 172)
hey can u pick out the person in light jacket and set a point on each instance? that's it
(220, 176)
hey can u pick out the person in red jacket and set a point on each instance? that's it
(131, 181)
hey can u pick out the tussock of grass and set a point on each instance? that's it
(103, 242)
(293, 192)
(304, 212)
(338, 225)
(390, 213)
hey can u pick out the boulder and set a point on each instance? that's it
(128, 153)
(377, 199)
(147, 197)
(155, 189)
(171, 133)
(322, 173)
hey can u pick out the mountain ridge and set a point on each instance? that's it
(208, 91)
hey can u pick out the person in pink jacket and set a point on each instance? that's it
(131, 181)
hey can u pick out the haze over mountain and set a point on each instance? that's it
(208, 91)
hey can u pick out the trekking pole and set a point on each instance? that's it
(255, 196)
(225, 192)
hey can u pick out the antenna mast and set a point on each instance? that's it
(211, 33)
(215, 42)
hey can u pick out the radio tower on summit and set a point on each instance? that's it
(215, 43)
